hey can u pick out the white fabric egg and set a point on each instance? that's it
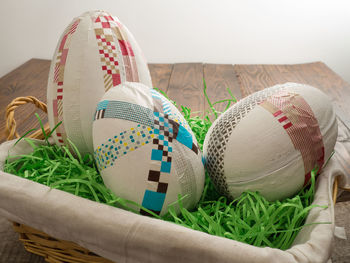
(145, 150)
(95, 53)
(270, 141)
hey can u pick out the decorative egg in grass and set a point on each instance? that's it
(145, 150)
(95, 53)
(270, 141)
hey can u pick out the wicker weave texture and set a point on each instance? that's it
(37, 242)
(54, 250)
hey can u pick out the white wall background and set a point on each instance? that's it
(169, 31)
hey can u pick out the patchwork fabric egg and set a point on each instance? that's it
(95, 53)
(270, 141)
(145, 150)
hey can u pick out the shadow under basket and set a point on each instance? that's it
(37, 242)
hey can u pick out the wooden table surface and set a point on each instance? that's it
(184, 84)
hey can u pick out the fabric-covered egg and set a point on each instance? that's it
(95, 53)
(145, 150)
(270, 141)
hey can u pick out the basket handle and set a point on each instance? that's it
(11, 126)
(335, 189)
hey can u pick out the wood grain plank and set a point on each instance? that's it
(186, 86)
(30, 79)
(160, 74)
(252, 78)
(256, 77)
(219, 78)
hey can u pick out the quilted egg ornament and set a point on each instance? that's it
(270, 141)
(145, 150)
(95, 53)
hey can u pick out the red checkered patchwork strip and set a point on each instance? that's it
(110, 38)
(107, 50)
(58, 78)
(298, 120)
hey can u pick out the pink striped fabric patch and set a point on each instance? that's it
(296, 117)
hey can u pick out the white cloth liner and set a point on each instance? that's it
(340, 232)
(122, 236)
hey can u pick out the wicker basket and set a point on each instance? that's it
(37, 242)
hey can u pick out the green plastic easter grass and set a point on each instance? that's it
(250, 218)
